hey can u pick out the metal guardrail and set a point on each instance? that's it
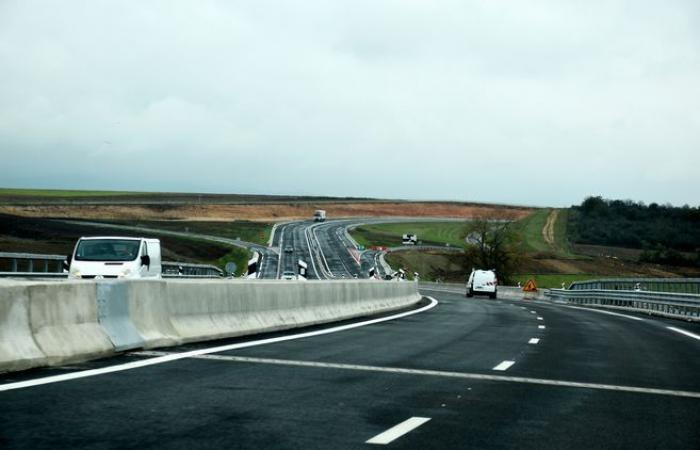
(677, 285)
(189, 270)
(667, 304)
(31, 265)
(30, 262)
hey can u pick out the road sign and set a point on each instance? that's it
(230, 267)
(530, 286)
(360, 247)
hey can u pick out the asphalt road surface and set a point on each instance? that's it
(467, 373)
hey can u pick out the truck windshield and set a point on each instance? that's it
(107, 250)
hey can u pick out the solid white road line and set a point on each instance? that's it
(438, 373)
(687, 333)
(397, 431)
(504, 366)
(606, 312)
(541, 327)
(206, 351)
(533, 341)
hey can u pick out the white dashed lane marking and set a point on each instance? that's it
(397, 431)
(502, 367)
(438, 373)
(533, 341)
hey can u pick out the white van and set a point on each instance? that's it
(115, 257)
(482, 282)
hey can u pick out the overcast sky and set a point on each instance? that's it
(525, 102)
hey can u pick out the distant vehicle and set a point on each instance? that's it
(289, 249)
(303, 270)
(482, 282)
(410, 239)
(319, 215)
(253, 265)
(289, 275)
(115, 257)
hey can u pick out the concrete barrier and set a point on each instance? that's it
(113, 315)
(150, 313)
(202, 311)
(63, 320)
(18, 349)
(51, 323)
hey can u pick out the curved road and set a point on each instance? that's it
(470, 366)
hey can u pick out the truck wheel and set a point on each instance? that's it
(492, 296)
(470, 293)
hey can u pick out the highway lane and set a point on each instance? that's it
(339, 390)
(336, 249)
(291, 239)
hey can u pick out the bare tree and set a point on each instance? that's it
(496, 246)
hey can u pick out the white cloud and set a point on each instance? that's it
(540, 102)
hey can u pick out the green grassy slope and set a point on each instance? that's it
(429, 233)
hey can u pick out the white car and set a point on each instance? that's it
(482, 282)
(289, 275)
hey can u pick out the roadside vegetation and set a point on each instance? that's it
(666, 234)
(431, 265)
(547, 253)
(532, 230)
(429, 233)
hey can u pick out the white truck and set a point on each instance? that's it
(410, 239)
(482, 282)
(115, 257)
(319, 215)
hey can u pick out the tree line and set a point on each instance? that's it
(664, 232)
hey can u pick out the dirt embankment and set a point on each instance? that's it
(266, 212)
(548, 230)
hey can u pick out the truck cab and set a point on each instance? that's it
(115, 257)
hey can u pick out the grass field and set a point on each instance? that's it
(429, 233)
(530, 230)
(430, 265)
(256, 232)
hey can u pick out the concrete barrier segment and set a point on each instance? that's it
(113, 315)
(150, 314)
(63, 320)
(202, 310)
(18, 349)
